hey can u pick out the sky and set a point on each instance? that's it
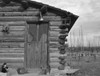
(88, 21)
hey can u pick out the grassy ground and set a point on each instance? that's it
(88, 69)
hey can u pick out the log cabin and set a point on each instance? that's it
(33, 34)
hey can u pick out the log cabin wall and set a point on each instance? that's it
(10, 51)
(13, 48)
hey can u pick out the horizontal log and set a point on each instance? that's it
(54, 33)
(14, 65)
(54, 64)
(54, 46)
(11, 60)
(25, 13)
(57, 23)
(52, 50)
(19, 18)
(53, 39)
(26, 18)
(12, 23)
(56, 54)
(54, 60)
(11, 50)
(51, 14)
(13, 33)
(52, 18)
(12, 39)
(19, 28)
(63, 31)
(12, 55)
(53, 43)
(32, 9)
(54, 28)
(11, 45)
(57, 33)
(9, 8)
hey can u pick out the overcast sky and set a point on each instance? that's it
(88, 12)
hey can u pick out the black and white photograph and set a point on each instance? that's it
(49, 37)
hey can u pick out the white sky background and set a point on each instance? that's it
(89, 17)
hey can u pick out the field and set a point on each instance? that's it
(87, 60)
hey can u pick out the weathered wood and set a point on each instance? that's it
(53, 39)
(11, 50)
(17, 28)
(11, 45)
(54, 60)
(63, 31)
(12, 23)
(51, 14)
(12, 55)
(26, 13)
(24, 18)
(11, 60)
(53, 43)
(56, 54)
(9, 8)
(57, 23)
(13, 33)
(64, 26)
(26, 45)
(52, 18)
(53, 50)
(54, 28)
(54, 65)
(14, 65)
(54, 33)
(32, 9)
(12, 39)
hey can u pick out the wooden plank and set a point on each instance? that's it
(56, 54)
(30, 13)
(57, 23)
(12, 23)
(11, 45)
(53, 43)
(52, 18)
(27, 18)
(13, 33)
(32, 9)
(19, 18)
(52, 50)
(11, 39)
(56, 33)
(54, 64)
(50, 14)
(11, 50)
(13, 65)
(53, 39)
(9, 8)
(11, 60)
(54, 28)
(54, 46)
(25, 13)
(19, 28)
(56, 59)
(12, 55)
